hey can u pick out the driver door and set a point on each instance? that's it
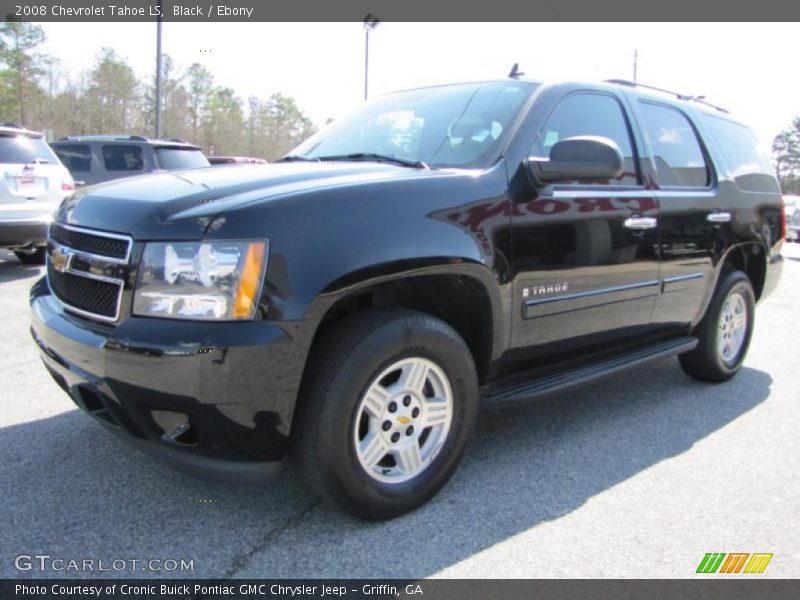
(585, 263)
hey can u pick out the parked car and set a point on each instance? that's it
(235, 160)
(347, 306)
(32, 184)
(792, 218)
(97, 158)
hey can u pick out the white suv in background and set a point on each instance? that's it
(32, 184)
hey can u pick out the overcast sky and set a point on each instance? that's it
(749, 68)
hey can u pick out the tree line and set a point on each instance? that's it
(36, 92)
(786, 157)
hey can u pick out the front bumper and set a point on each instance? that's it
(23, 232)
(214, 399)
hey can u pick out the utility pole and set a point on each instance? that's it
(635, 64)
(158, 71)
(370, 23)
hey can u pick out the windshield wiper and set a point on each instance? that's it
(372, 156)
(297, 158)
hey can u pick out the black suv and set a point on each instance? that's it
(347, 306)
(96, 158)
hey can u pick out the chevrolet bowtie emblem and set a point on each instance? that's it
(60, 259)
(403, 420)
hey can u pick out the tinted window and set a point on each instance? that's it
(739, 147)
(448, 126)
(120, 157)
(180, 158)
(20, 149)
(590, 114)
(677, 153)
(76, 157)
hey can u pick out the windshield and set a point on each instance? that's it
(172, 159)
(21, 149)
(450, 126)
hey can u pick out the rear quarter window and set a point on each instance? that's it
(172, 159)
(76, 157)
(748, 164)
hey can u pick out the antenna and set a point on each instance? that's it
(515, 72)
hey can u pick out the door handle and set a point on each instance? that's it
(719, 217)
(641, 223)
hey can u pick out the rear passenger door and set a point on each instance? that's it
(694, 219)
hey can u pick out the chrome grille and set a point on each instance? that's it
(99, 298)
(87, 269)
(107, 245)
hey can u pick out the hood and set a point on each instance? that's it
(182, 204)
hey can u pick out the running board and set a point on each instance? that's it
(524, 389)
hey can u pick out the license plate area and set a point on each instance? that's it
(28, 185)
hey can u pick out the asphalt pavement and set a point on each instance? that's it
(636, 476)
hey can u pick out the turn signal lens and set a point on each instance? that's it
(249, 282)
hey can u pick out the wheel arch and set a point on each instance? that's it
(462, 293)
(749, 257)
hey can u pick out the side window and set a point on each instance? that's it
(590, 114)
(76, 157)
(119, 157)
(677, 153)
(749, 165)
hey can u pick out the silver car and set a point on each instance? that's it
(32, 184)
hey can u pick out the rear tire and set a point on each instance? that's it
(724, 332)
(388, 403)
(37, 257)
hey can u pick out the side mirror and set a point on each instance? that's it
(576, 159)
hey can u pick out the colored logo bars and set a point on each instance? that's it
(713, 562)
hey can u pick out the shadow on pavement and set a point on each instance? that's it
(73, 490)
(12, 269)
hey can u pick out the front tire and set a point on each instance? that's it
(388, 404)
(724, 333)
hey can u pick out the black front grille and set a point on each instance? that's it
(90, 295)
(86, 242)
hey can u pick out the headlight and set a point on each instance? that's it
(217, 281)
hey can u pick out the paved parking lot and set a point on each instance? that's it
(637, 476)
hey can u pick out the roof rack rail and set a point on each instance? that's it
(137, 138)
(178, 140)
(9, 124)
(679, 96)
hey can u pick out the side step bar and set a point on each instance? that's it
(520, 389)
